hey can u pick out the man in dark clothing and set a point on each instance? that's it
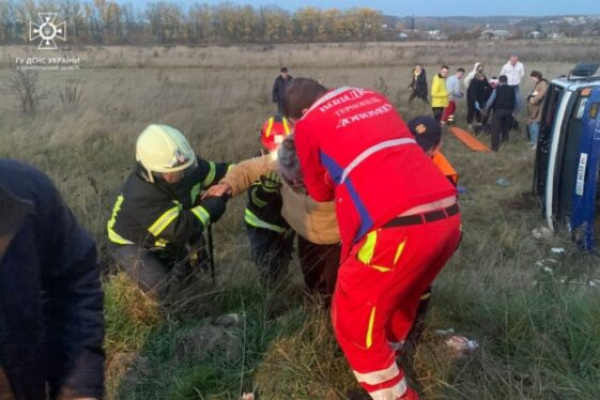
(418, 85)
(158, 220)
(478, 93)
(279, 86)
(502, 102)
(51, 324)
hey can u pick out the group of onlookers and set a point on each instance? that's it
(492, 103)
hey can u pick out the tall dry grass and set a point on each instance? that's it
(538, 332)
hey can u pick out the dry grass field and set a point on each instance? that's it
(538, 330)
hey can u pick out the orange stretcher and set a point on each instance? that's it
(469, 140)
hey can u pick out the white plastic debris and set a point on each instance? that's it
(444, 332)
(542, 232)
(460, 345)
(594, 283)
(557, 250)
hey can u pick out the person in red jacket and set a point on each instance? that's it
(398, 218)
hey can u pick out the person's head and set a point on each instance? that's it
(284, 72)
(514, 59)
(164, 153)
(272, 134)
(418, 69)
(460, 73)
(503, 80)
(427, 132)
(494, 81)
(288, 163)
(480, 76)
(536, 76)
(299, 95)
(479, 67)
(444, 71)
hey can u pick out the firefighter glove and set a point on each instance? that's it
(271, 182)
(214, 206)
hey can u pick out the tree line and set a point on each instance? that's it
(108, 22)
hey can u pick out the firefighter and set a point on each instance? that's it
(157, 221)
(271, 238)
(398, 219)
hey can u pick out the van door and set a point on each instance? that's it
(585, 200)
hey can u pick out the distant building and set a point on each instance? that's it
(496, 34)
(535, 35)
(557, 35)
(403, 36)
(433, 34)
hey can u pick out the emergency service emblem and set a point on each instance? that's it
(47, 31)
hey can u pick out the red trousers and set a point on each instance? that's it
(377, 295)
(449, 111)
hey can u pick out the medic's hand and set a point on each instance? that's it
(218, 190)
(214, 206)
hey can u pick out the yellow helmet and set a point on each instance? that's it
(164, 149)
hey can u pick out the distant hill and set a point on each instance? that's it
(500, 22)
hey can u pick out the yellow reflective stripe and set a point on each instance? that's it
(269, 127)
(380, 268)
(255, 200)
(161, 243)
(163, 221)
(286, 126)
(365, 254)
(202, 215)
(256, 222)
(377, 377)
(210, 177)
(112, 235)
(399, 252)
(116, 238)
(195, 192)
(369, 340)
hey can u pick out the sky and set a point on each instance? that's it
(434, 8)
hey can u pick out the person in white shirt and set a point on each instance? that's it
(514, 70)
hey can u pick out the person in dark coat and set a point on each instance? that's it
(418, 85)
(51, 323)
(503, 103)
(279, 86)
(478, 93)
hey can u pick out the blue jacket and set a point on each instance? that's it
(51, 324)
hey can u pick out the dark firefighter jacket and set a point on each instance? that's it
(263, 209)
(156, 214)
(51, 324)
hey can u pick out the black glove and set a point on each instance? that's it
(214, 206)
(271, 182)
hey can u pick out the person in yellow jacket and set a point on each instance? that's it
(314, 222)
(439, 93)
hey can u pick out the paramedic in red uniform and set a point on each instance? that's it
(398, 217)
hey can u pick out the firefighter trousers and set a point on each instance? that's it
(378, 293)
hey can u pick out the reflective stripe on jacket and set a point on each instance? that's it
(156, 214)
